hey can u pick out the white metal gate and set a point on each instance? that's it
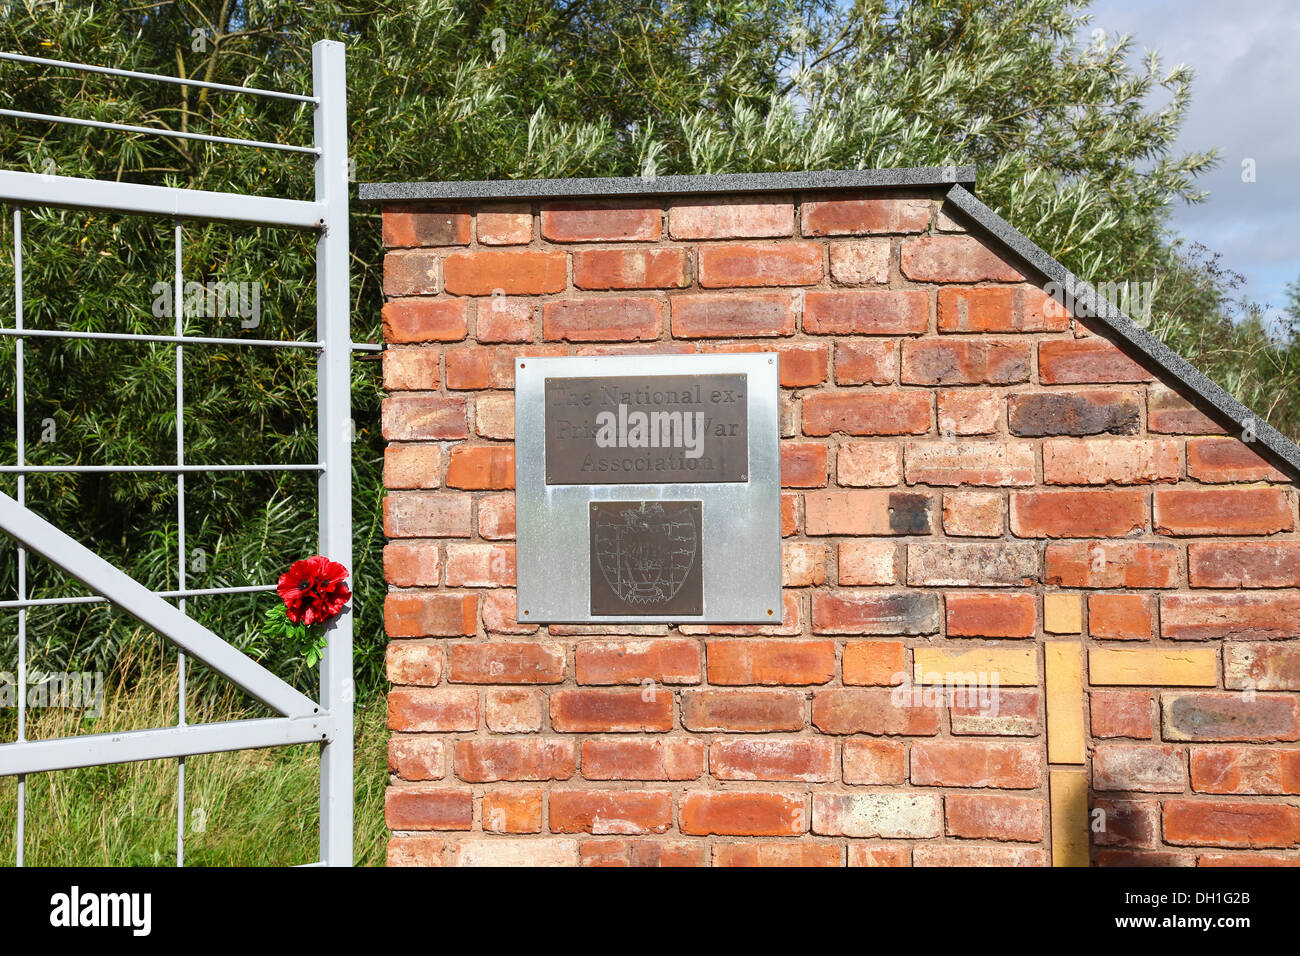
(329, 721)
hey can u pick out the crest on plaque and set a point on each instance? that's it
(645, 557)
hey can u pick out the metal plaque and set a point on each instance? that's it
(629, 430)
(645, 558)
(658, 541)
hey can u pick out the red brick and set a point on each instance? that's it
(745, 264)
(612, 711)
(598, 221)
(424, 417)
(657, 853)
(803, 465)
(789, 514)
(951, 763)
(427, 514)
(871, 710)
(969, 463)
(803, 565)
(602, 320)
(889, 815)
(500, 614)
(1243, 859)
(412, 466)
(412, 565)
(512, 811)
(503, 320)
(505, 272)
(494, 415)
(1091, 360)
(417, 224)
(866, 312)
(977, 514)
(1231, 824)
(1188, 511)
(1261, 666)
(875, 762)
(776, 854)
(742, 711)
(954, 259)
(1245, 770)
(866, 563)
(955, 854)
(877, 663)
(715, 218)
(727, 315)
(513, 710)
(1118, 461)
(1244, 564)
(611, 811)
(991, 615)
(706, 813)
(502, 851)
(1127, 823)
(660, 660)
(480, 565)
(509, 224)
(876, 464)
(801, 759)
(428, 614)
(1145, 768)
(411, 272)
(496, 516)
(417, 757)
(412, 369)
(882, 512)
(862, 854)
(487, 760)
(963, 411)
(1077, 514)
(422, 850)
(993, 309)
(866, 363)
(630, 269)
(982, 712)
(1171, 414)
(1230, 717)
(988, 816)
(479, 367)
(1217, 460)
(871, 413)
(672, 758)
(428, 808)
(1094, 411)
(859, 216)
(1110, 564)
(964, 362)
(860, 263)
(414, 662)
(481, 467)
(1232, 617)
(1139, 858)
(507, 662)
(1121, 617)
(972, 564)
(774, 662)
(803, 364)
(432, 709)
(872, 612)
(1121, 713)
(424, 320)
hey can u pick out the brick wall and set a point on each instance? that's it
(975, 482)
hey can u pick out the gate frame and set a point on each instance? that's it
(328, 722)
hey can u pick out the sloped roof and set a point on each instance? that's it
(959, 181)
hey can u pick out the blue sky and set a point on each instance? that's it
(1244, 101)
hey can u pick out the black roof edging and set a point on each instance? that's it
(1282, 449)
(920, 176)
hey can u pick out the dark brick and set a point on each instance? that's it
(1094, 412)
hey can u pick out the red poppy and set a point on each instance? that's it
(314, 590)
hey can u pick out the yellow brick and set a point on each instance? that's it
(1154, 666)
(1062, 614)
(1014, 666)
(1063, 665)
(1069, 797)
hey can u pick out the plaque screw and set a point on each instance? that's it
(769, 612)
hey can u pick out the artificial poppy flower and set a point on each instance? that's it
(314, 590)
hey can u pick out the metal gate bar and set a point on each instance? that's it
(328, 722)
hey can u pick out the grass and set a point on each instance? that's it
(247, 808)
